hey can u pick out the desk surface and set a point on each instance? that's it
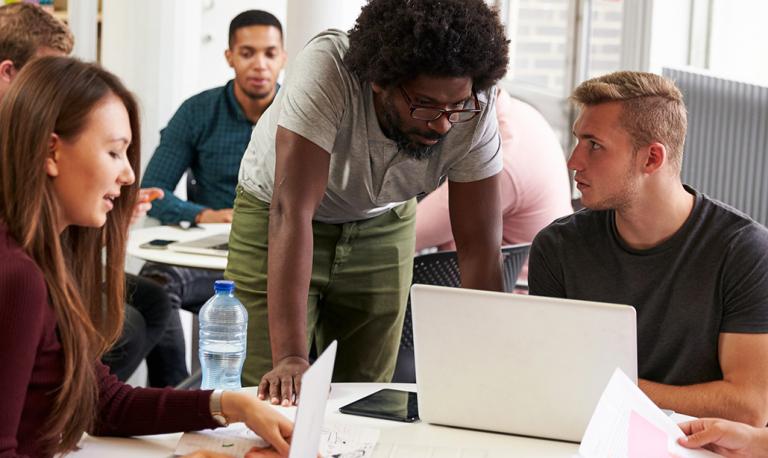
(395, 437)
(145, 234)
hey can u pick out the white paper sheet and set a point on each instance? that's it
(235, 440)
(344, 441)
(338, 441)
(626, 424)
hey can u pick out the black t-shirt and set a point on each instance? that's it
(710, 277)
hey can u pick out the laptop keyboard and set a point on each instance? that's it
(421, 451)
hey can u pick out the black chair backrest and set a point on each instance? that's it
(442, 269)
(514, 257)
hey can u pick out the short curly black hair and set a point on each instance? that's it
(394, 41)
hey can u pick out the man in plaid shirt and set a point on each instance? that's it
(208, 135)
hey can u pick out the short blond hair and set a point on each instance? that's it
(653, 108)
(25, 28)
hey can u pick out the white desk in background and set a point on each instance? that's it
(164, 256)
(397, 439)
(145, 234)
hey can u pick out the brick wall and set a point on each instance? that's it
(540, 37)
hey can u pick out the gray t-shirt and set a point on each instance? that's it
(328, 105)
(710, 277)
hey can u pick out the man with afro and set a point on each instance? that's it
(366, 121)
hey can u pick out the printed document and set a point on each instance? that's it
(627, 424)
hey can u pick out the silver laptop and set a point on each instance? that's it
(517, 364)
(212, 245)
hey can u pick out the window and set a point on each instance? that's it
(738, 40)
(556, 44)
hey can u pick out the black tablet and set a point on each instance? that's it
(386, 404)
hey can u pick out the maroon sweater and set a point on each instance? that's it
(33, 367)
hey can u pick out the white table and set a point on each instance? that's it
(164, 256)
(395, 437)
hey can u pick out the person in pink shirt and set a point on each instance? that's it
(535, 188)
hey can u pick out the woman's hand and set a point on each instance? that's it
(209, 454)
(258, 415)
(263, 453)
(726, 438)
(255, 452)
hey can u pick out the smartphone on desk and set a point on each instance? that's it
(386, 404)
(156, 244)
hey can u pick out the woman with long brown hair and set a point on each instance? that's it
(69, 159)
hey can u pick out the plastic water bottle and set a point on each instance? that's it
(223, 330)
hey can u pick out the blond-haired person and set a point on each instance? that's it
(69, 155)
(694, 268)
(26, 32)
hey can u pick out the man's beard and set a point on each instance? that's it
(623, 199)
(253, 95)
(393, 131)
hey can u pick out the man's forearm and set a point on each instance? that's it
(475, 211)
(481, 271)
(289, 271)
(719, 399)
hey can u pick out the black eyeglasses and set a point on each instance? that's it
(425, 113)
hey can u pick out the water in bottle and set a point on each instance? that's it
(223, 330)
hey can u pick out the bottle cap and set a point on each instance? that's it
(223, 286)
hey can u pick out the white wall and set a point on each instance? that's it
(82, 19)
(308, 18)
(154, 48)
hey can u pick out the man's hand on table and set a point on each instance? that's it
(282, 384)
(210, 215)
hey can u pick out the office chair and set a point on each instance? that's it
(442, 269)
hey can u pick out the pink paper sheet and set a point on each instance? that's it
(645, 439)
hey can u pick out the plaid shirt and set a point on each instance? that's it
(208, 134)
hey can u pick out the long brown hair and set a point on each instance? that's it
(56, 95)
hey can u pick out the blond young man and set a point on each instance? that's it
(694, 268)
(27, 31)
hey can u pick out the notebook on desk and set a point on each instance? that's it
(516, 364)
(212, 245)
